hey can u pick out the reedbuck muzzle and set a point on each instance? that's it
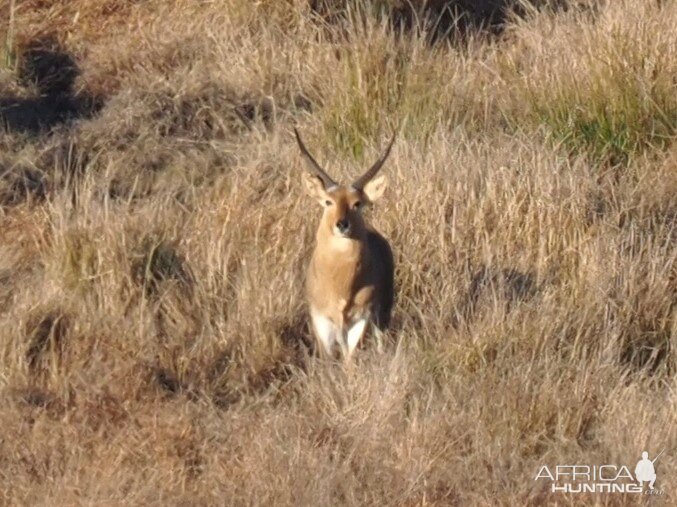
(350, 278)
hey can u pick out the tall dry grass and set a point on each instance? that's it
(154, 236)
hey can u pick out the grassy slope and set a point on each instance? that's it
(151, 302)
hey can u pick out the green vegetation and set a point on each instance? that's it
(154, 234)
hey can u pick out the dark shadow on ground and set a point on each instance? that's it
(17, 185)
(296, 337)
(508, 286)
(444, 19)
(439, 19)
(44, 66)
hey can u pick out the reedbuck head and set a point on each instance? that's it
(342, 217)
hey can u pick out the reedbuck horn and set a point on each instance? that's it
(359, 183)
(314, 167)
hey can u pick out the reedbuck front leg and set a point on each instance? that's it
(378, 335)
(353, 336)
(326, 332)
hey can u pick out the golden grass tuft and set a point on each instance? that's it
(154, 347)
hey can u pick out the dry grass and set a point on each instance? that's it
(153, 239)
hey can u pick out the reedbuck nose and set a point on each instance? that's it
(343, 226)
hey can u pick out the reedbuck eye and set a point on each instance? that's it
(328, 202)
(357, 205)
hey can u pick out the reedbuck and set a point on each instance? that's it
(350, 278)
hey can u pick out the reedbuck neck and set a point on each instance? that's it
(350, 278)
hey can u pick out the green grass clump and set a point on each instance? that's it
(611, 94)
(606, 134)
(155, 343)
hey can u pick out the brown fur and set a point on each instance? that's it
(350, 276)
(346, 274)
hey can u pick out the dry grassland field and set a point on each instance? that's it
(155, 346)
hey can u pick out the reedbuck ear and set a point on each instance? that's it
(374, 189)
(314, 187)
